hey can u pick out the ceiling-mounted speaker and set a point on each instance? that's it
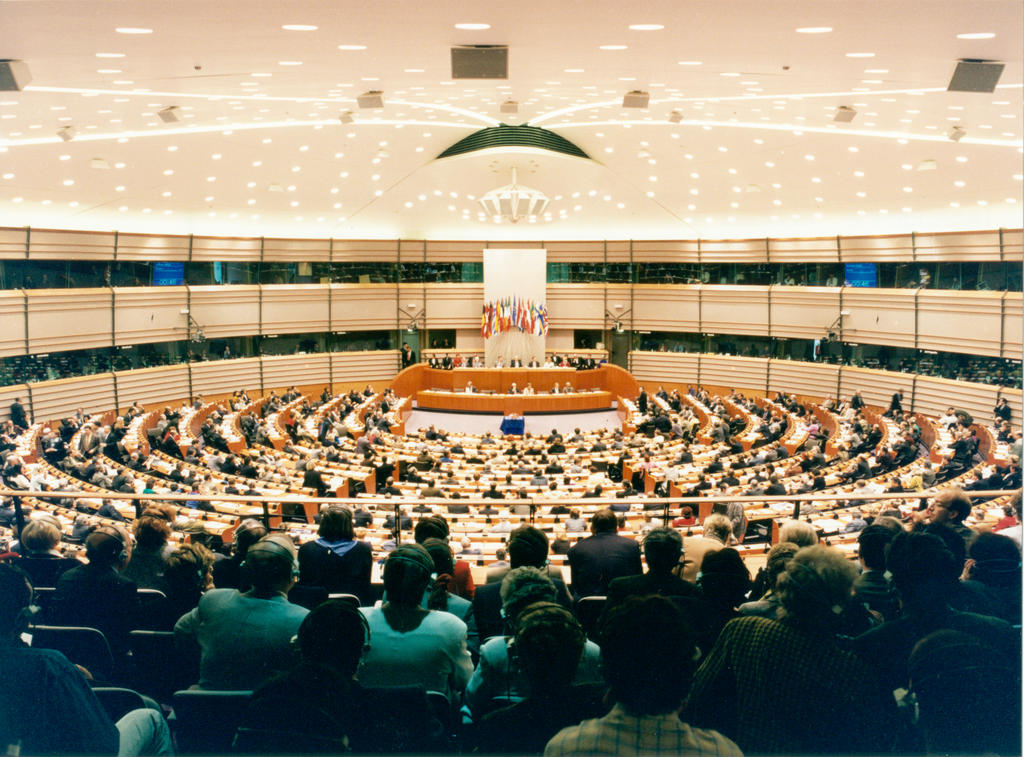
(480, 62)
(973, 75)
(510, 106)
(170, 115)
(636, 99)
(844, 114)
(372, 99)
(14, 75)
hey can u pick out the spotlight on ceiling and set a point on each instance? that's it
(170, 114)
(372, 99)
(675, 117)
(844, 114)
(636, 99)
(957, 133)
(14, 75)
(67, 133)
(510, 106)
(346, 117)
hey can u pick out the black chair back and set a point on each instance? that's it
(205, 721)
(83, 646)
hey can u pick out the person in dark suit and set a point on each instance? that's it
(336, 560)
(641, 401)
(527, 547)
(314, 479)
(605, 555)
(18, 417)
(663, 549)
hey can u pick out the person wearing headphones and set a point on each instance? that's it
(496, 674)
(244, 638)
(227, 574)
(325, 701)
(97, 595)
(49, 707)
(414, 646)
(548, 646)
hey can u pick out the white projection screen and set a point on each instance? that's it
(522, 274)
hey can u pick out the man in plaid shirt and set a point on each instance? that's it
(647, 652)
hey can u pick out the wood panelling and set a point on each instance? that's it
(46, 244)
(149, 314)
(367, 367)
(282, 371)
(295, 308)
(575, 306)
(12, 316)
(958, 245)
(617, 251)
(879, 316)
(226, 311)
(734, 372)
(876, 387)
(381, 250)
(152, 247)
(815, 249)
(665, 308)
(803, 312)
(297, 250)
(666, 251)
(228, 249)
(13, 242)
(575, 252)
(10, 393)
(733, 250)
(225, 376)
(1013, 243)
(153, 387)
(449, 251)
(808, 379)
(734, 310)
(451, 306)
(934, 395)
(368, 307)
(68, 319)
(1012, 312)
(880, 249)
(959, 321)
(664, 367)
(56, 399)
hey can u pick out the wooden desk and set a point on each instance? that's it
(521, 404)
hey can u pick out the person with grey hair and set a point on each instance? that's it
(717, 533)
(40, 558)
(798, 532)
(771, 685)
(495, 674)
(769, 605)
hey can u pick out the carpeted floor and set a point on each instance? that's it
(535, 424)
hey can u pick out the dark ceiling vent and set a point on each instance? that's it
(480, 62)
(514, 136)
(975, 76)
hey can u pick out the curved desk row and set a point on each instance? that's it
(506, 404)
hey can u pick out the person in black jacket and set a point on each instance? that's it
(336, 561)
(663, 549)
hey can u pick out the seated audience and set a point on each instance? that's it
(227, 574)
(335, 560)
(604, 555)
(769, 605)
(40, 558)
(663, 550)
(146, 567)
(717, 534)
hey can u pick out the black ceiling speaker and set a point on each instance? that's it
(480, 62)
(973, 75)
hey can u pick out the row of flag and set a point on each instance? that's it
(514, 314)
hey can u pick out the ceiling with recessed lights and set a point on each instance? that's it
(739, 137)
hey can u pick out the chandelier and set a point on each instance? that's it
(513, 201)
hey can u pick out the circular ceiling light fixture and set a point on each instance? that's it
(514, 202)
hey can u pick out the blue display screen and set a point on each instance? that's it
(168, 274)
(861, 275)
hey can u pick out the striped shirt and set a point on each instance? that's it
(619, 733)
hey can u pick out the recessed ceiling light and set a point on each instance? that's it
(730, 73)
(472, 27)
(860, 55)
(574, 70)
(414, 70)
(976, 35)
(351, 47)
(614, 47)
(133, 30)
(814, 29)
(109, 55)
(691, 63)
(289, 63)
(299, 27)
(108, 70)
(876, 70)
(646, 27)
